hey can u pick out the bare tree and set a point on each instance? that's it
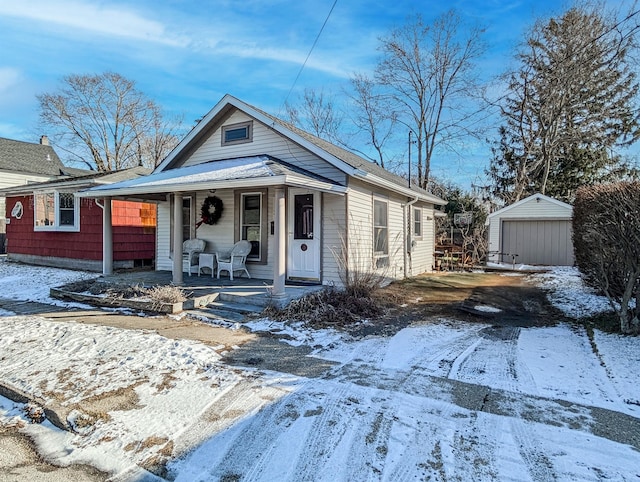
(428, 71)
(105, 123)
(373, 115)
(316, 113)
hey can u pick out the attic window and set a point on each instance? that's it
(237, 133)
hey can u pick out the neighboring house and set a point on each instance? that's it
(310, 209)
(537, 229)
(48, 224)
(23, 163)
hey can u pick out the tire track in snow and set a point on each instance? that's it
(476, 366)
(244, 397)
(328, 427)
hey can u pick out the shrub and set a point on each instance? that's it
(606, 239)
(329, 307)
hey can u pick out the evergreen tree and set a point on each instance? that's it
(570, 104)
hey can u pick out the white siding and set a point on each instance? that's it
(423, 247)
(360, 227)
(360, 209)
(10, 179)
(163, 238)
(333, 232)
(532, 208)
(265, 141)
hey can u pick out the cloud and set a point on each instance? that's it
(106, 20)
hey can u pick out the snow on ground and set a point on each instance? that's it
(25, 282)
(569, 294)
(390, 409)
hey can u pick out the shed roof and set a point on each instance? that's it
(533, 197)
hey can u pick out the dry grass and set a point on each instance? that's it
(329, 307)
(156, 294)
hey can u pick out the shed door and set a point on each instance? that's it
(538, 242)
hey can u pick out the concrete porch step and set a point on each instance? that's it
(251, 298)
(228, 311)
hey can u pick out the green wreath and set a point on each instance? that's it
(211, 211)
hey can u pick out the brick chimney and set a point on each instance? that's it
(44, 140)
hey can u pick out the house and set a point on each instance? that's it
(48, 224)
(535, 230)
(25, 162)
(310, 209)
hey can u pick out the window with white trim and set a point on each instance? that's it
(417, 222)
(251, 213)
(237, 133)
(381, 233)
(56, 211)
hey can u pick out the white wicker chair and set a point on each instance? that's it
(191, 250)
(235, 259)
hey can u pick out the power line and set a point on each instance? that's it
(310, 51)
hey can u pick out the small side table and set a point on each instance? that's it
(205, 261)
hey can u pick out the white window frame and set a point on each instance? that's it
(241, 125)
(380, 258)
(418, 220)
(260, 195)
(55, 226)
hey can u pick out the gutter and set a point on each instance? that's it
(392, 186)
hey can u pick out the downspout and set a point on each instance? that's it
(407, 236)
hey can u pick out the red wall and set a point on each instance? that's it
(134, 232)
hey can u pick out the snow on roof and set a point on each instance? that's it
(229, 169)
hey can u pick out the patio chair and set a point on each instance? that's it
(235, 259)
(191, 250)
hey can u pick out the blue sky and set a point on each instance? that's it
(187, 54)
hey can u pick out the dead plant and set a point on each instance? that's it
(329, 307)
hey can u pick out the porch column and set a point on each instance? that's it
(177, 239)
(107, 237)
(280, 242)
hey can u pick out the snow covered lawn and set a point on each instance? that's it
(394, 408)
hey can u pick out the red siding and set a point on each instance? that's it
(134, 232)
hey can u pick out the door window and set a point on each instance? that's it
(303, 216)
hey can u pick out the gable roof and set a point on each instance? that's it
(342, 159)
(29, 158)
(529, 199)
(76, 183)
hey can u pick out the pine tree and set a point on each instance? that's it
(569, 105)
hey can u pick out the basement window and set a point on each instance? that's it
(237, 133)
(56, 211)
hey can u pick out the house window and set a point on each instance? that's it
(251, 223)
(417, 222)
(381, 233)
(54, 211)
(237, 133)
(186, 219)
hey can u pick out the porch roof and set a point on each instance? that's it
(251, 171)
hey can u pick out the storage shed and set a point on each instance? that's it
(535, 230)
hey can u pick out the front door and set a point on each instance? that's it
(304, 234)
